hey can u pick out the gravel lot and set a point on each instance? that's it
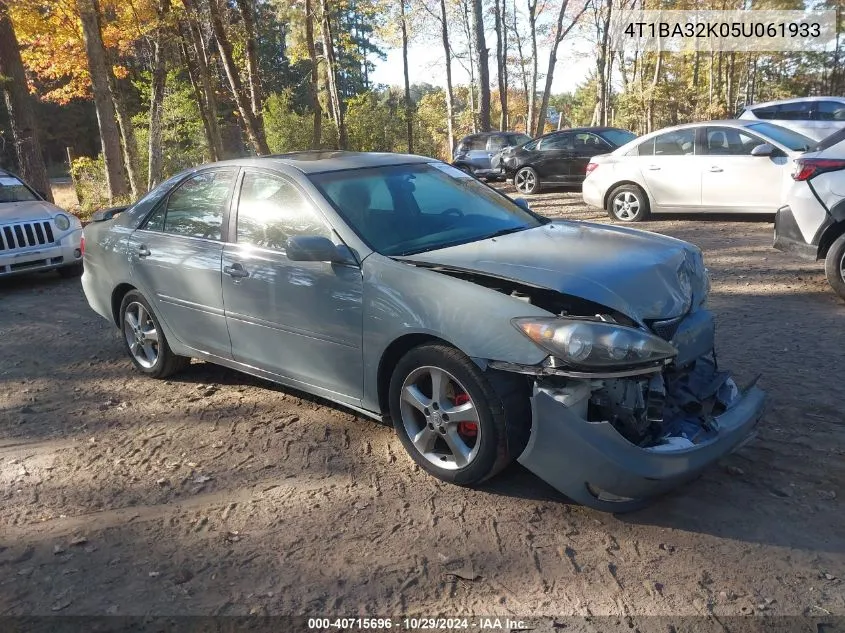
(216, 493)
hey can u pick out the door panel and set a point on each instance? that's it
(176, 260)
(553, 157)
(301, 320)
(734, 180)
(585, 146)
(671, 170)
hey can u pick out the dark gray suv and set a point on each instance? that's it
(474, 153)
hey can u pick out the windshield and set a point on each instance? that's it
(407, 209)
(792, 140)
(13, 190)
(617, 138)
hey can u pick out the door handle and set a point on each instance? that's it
(716, 169)
(236, 271)
(143, 251)
(653, 168)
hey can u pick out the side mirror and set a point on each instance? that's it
(107, 214)
(315, 248)
(522, 203)
(764, 149)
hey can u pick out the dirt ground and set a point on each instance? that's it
(216, 493)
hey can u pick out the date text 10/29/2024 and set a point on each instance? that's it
(414, 624)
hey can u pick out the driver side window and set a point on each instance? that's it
(197, 207)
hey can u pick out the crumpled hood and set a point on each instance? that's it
(23, 211)
(633, 272)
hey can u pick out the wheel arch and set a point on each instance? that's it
(117, 298)
(390, 358)
(620, 183)
(830, 235)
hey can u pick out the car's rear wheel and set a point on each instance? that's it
(459, 424)
(628, 203)
(69, 272)
(834, 266)
(527, 181)
(144, 339)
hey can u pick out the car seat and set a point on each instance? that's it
(718, 140)
(354, 201)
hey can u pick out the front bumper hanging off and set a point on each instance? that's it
(591, 463)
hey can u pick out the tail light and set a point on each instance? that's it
(591, 167)
(807, 168)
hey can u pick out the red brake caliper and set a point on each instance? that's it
(467, 429)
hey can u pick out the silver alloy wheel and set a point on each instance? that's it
(141, 334)
(525, 181)
(842, 267)
(432, 419)
(626, 205)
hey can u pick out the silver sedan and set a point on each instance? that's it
(404, 289)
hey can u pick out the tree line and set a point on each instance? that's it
(171, 83)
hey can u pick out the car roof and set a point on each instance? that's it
(596, 128)
(794, 100)
(315, 162)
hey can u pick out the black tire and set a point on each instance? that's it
(834, 266)
(70, 272)
(630, 195)
(527, 181)
(466, 169)
(501, 401)
(166, 362)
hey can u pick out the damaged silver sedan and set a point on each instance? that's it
(404, 289)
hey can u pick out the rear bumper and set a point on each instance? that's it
(592, 193)
(42, 258)
(788, 236)
(591, 463)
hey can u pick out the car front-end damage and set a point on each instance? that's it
(652, 408)
(614, 439)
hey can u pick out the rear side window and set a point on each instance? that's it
(472, 143)
(519, 139)
(830, 111)
(674, 143)
(495, 143)
(197, 206)
(796, 111)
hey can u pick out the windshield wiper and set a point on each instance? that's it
(500, 232)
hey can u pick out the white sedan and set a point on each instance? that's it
(717, 166)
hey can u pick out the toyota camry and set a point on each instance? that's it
(407, 290)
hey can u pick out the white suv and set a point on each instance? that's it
(812, 224)
(34, 234)
(816, 117)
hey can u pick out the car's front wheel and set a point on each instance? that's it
(834, 266)
(144, 339)
(527, 181)
(459, 424)
(627, 203)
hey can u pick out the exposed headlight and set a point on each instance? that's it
(62, 222)
(594, 345)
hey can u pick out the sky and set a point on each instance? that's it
(426, 65)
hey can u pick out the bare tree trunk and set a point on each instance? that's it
(127, 135)
(605, 63)
(195, 84)
(247, 9)
(501, 62)
(409, 111)
(159, 78)
(483, 65)
(471, 68)
(19, 104)
(99, 71)
(253, 128)
(559, 34)
(532, 96)
(209, 99)
(331, 73)
(314, 90)
(654, 81)
(523, 74)
(450, 115)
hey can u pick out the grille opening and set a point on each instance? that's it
(49, 230)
